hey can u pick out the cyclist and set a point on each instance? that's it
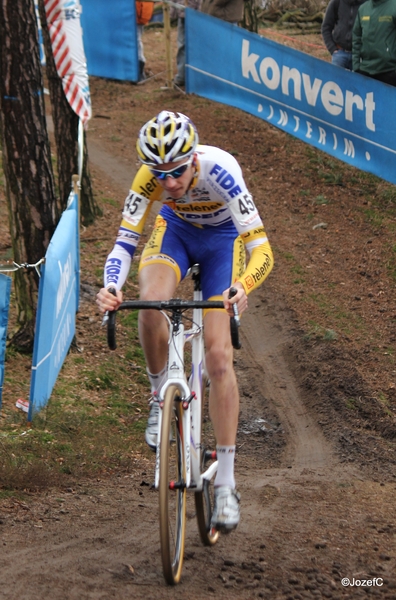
(207, 217)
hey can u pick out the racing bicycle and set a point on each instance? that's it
(184, 461)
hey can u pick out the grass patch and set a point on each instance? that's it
(319, 332)
(321, 199)
(295, 268)
(351, 403)
(76, 435)
(93, 424)
(391, 263)
(385, 403)
(111, 201)
(375, 218)
(347, 322)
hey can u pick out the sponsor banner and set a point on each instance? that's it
(110, 39)
(57, 307)
(345, 114)
(63, 19)
(5, 291)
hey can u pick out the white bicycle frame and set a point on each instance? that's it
(192, 392)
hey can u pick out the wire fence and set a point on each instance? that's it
(9, 266)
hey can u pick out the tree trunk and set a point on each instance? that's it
(27, 163)
(66, 124)
(250, 15)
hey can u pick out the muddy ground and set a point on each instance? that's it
(316, 462)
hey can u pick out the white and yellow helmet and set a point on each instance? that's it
(168, 137)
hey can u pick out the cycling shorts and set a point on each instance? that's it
(219, 251)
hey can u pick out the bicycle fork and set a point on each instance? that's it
(176, 377)
(191, 397)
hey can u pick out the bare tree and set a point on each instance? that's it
(30, 188)
(66, 125)
(250, 20)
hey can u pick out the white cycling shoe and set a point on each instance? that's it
(226, 511)
(152, 425)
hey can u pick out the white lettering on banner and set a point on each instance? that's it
(311, 91)
(294, 75)
(65, 275)
(283, 118)
(320, 134)
(63, 338)
(291, 80)
(349, 149)
(269, 64)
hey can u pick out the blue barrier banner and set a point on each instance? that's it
(57, 307)
(5, 291)
(345, 114)
(110, 39)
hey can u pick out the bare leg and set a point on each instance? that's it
(224, 394)
(224, 411)
(156, 282)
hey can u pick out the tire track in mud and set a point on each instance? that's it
(264, 346)
(306, 462)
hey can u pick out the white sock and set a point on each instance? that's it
(157, 380)
(225, 469)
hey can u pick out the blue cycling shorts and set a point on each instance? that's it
(219, 251)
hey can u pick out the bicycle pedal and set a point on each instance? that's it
(210, 455)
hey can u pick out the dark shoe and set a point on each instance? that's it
(179, 82)
(142, 74)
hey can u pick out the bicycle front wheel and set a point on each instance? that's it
(172, 488)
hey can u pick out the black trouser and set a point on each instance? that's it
(388, 77)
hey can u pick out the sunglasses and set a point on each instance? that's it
(174, 173)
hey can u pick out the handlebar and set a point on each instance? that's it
(173, 304)
(235, 321)
(110, 317)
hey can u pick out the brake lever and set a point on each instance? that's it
(234, 321)
(105, 319)
(233, 292)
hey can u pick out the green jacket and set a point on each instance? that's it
(374, 37)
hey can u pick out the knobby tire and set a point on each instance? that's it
(172, 501)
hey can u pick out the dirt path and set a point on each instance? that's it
(309, 518)
(307, 521)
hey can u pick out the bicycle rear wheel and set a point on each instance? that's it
(204, 499)
(172, 489)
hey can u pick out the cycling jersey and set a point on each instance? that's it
(217, 198)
